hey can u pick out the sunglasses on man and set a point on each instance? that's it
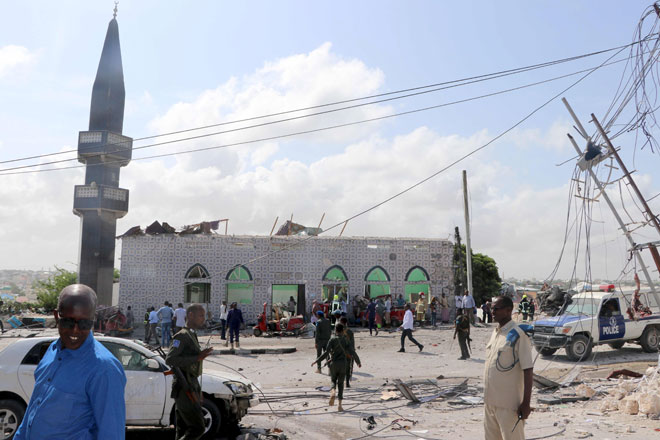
(83, 324)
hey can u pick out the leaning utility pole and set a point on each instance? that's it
(607, 199)
(468, 248)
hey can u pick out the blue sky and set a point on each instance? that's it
(192, 63)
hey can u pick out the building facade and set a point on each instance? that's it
(253, 270)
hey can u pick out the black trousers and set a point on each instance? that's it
(320, 349)
(462, 342)
(408, 333)
(189, 418)
(338, 376)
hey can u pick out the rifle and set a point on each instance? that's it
(181, 378)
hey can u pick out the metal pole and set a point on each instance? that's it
(468, 248)
(615, 153)
(622, 225)
(274, 224)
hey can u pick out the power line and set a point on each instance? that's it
(446, 85)
(442, 170)
(12, 171)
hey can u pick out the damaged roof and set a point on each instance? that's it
(156, 228)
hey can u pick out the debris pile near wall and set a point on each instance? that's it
(636, 396)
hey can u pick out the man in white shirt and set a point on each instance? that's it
(468, 303)
(179, 318)
(151, 329)
(223, 319)
(459, 304)
(508, 376)
(388, 310)
(407, 326)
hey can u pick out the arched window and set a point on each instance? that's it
(197, 271)
(335, 282)
(197, 285)
(417, 281)
(377, 283)
(241, 287)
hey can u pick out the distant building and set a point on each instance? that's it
(208, 268)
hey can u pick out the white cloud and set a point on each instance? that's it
(521, 227)
(13, 57)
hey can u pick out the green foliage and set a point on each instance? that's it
(115, 275)
(15, 289)
(486, 281)
(48, 291)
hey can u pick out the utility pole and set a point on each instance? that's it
(652, 218)
(607, 199)
(468, 248)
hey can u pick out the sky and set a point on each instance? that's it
(193, 64)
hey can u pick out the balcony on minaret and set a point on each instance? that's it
(100, 197)
(106, 147)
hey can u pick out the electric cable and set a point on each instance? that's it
(465, 80)
(12, 170)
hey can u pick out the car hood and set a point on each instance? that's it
(225, 376)
(560, 321)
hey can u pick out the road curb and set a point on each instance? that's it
(255, 350)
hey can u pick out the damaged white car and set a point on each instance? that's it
(227, 396)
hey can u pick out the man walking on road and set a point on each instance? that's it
(165, 315)
(234, 320)
(462, 329)
(340, 352)
(350, 337)
(407, 326)
(507, 376)
(185, 357)
(371, 316)
(322, 336)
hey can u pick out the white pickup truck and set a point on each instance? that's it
(594, 318)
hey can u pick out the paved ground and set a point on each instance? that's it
(300, 410)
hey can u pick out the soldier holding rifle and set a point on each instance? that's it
(185, 357)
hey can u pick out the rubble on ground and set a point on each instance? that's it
(636, 396)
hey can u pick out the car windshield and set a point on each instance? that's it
(582, 306)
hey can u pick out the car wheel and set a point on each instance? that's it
(395, 323)
(579, 349)
(616, 345)
(11, 415)
(256, 332)
(212, 419)
(546, 351)
(649, 339)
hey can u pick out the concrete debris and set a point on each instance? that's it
(585, 391)
(389, 395)
(636, 396)
(543, 383)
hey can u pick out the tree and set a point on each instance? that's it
(115, 275)
(48, 292)
(486, 281)
(15, 289)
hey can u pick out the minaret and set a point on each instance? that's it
(103, 149)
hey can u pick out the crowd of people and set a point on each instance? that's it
(94, 379)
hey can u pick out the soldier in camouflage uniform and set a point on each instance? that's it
(350, 337)
(340, 352)
(322, 335)
(185, 357)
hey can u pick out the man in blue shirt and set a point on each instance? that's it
(165, 315)
(79, 385)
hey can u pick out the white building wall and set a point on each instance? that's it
(153, 267)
